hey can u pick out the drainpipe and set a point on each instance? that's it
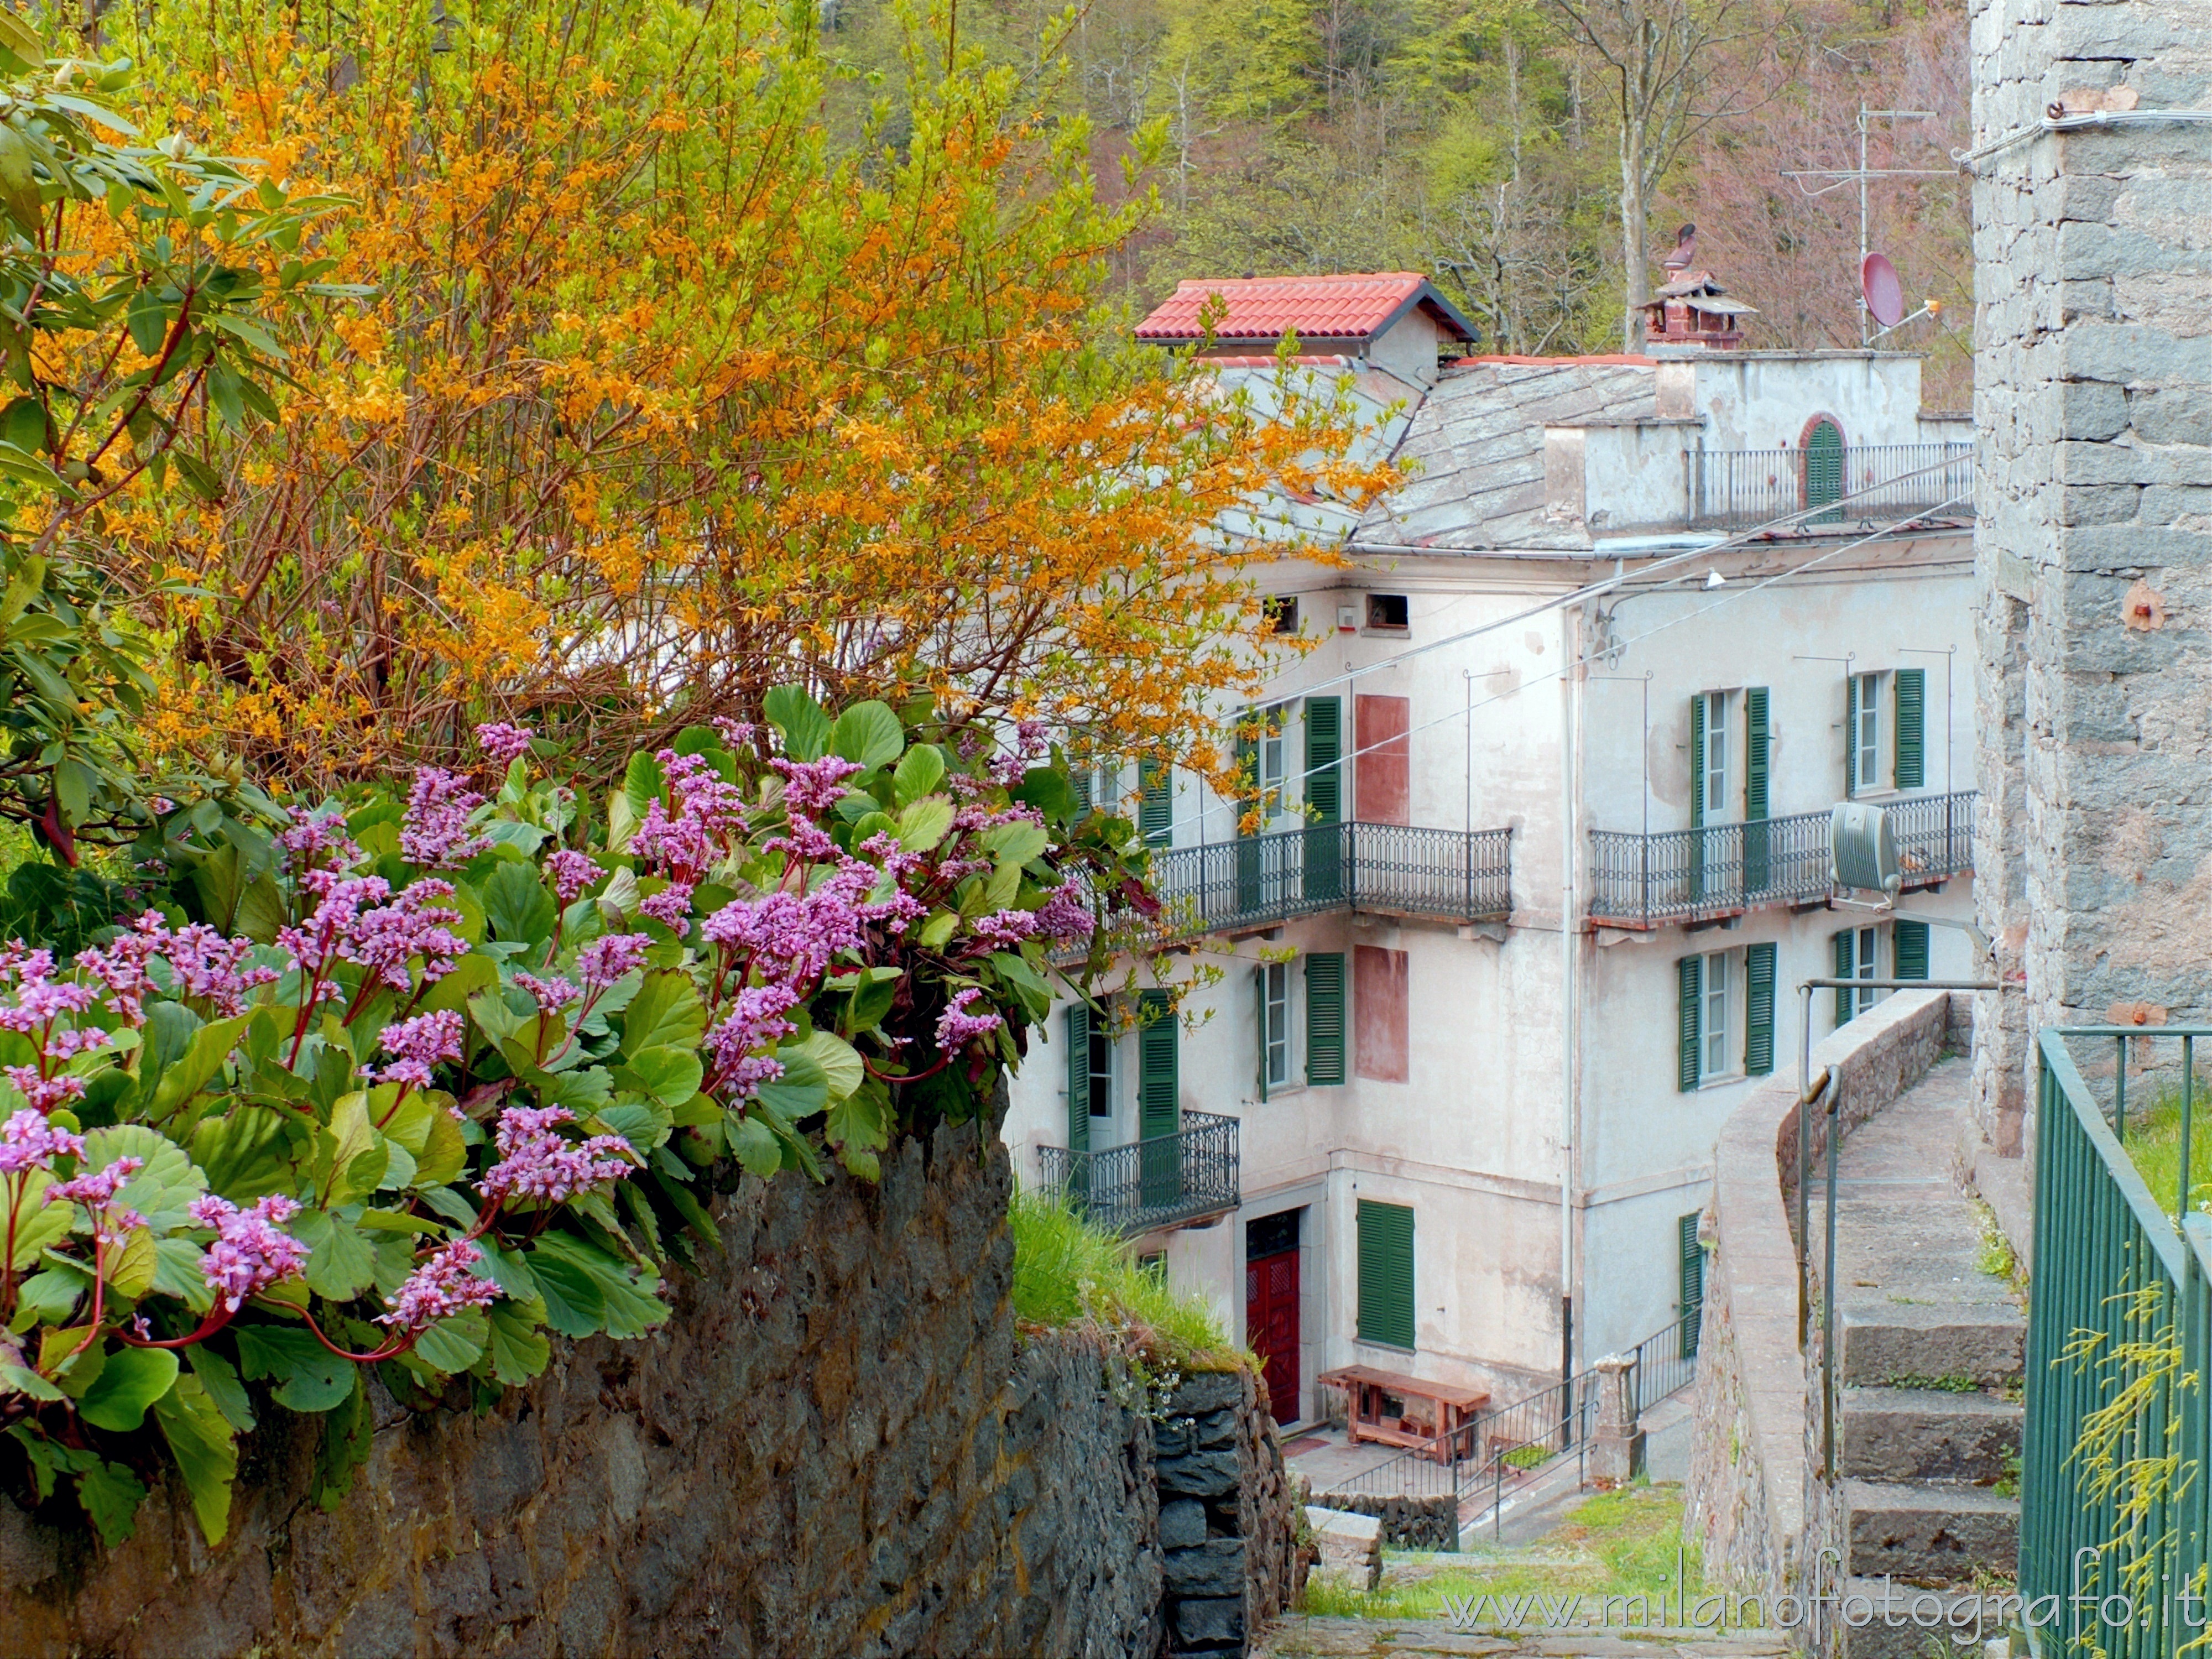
(1569, 738)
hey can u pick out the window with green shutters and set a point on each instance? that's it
(1324, 782)
(1856, 949)
(1155, 803)
(1325, 1017)
(1911, 692)
(1691, 1257)
(1078, 1078)
(1158, 1083)
(1386, 1274)
(1759, 1010)
(1697, 760)
(1908, 945)
(1690, 972)
(1757, 861)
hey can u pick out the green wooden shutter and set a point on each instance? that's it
(1325, 1017)
(1690, 972)
(1078, 780)
(1259, 1012)
(1759, 1010)
(1851, 735)
(1696, 760)
(1248, 771)
(1691, 1257)
(1159, 1085)
(1908, 943)
(1078, 1078)
(1911, 697)
(1386, 1274)
(1155, 803)
(1843, 947)
(1324, 759)
(1757, 861)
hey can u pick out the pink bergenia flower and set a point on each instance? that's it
(206, 966)
(27, 1141)
(536, 1163)
(1006, 927)
(252, 1252)
(45, 1093)
(755, 1021)
(443, 1285)
(790, 938)
(120, 967)
(738, 734)
(434, 832)
(38, 999)
(550, 995)
(606, 959)
(319, 841)
(96, 1191)
(502, 743)
(671, 906)
(384, 940)
(1064, 915)
(572, 873)
(419, 1045)
(813, 785)
(956, 1028)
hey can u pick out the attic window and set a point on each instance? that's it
(1281, 610)
(1387, 610)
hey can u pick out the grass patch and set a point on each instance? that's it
(1954, 1384)
(1616, 1543)
(1068, 1271)
(2153, 1143)
(1996, 1257)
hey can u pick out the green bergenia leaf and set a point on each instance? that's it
(206, 1453)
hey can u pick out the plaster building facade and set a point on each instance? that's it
(1542, 852)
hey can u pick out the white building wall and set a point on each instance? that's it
(1473, 1138)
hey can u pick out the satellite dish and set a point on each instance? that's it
(1885, 295)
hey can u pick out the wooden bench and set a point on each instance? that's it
(1383, 1408)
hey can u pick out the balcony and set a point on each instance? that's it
(1392, 869)
(1171, 1180)
(1725, 869)
(1735, 489)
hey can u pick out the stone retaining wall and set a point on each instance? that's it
(1753, 1497)
(837, 1446)
(1408, 1523)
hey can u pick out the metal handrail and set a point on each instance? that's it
(1256, 881)
(1722, 869)
(1163, 1181)
(2118, 1306)
(1550, 1416)
(1734, 489)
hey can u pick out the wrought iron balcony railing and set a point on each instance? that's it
(1723, 869)
(1729, 488)
(1453, 875)
(1169, 1181)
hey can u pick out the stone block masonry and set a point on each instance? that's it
(836, 1447)
(2093, 544)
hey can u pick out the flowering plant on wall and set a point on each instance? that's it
(416, 1084)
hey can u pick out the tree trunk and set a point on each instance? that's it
(1634, 226)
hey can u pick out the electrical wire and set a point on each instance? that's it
(1612, 649)
(1970, 159)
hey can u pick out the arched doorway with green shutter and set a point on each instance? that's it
(1823, 449)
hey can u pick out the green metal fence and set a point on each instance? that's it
(2116, 1507)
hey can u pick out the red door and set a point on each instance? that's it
(1271, 1324)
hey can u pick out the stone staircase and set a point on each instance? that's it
(1929, 1350)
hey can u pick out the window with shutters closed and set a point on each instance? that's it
(1908, 949)
(1690, 1257)
(1386, 1274)
(1325, 1017)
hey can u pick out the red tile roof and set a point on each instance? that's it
(1356, 307)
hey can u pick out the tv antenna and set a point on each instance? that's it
(1861, 175)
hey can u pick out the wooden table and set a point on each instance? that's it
(1383, 1409)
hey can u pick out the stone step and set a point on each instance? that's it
(1924, 1434)
(1862, 1620)
(1880, 1345)
(1929, 1531)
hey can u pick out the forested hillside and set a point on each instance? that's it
(1482, 141)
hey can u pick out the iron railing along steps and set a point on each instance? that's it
(2118, 1299)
